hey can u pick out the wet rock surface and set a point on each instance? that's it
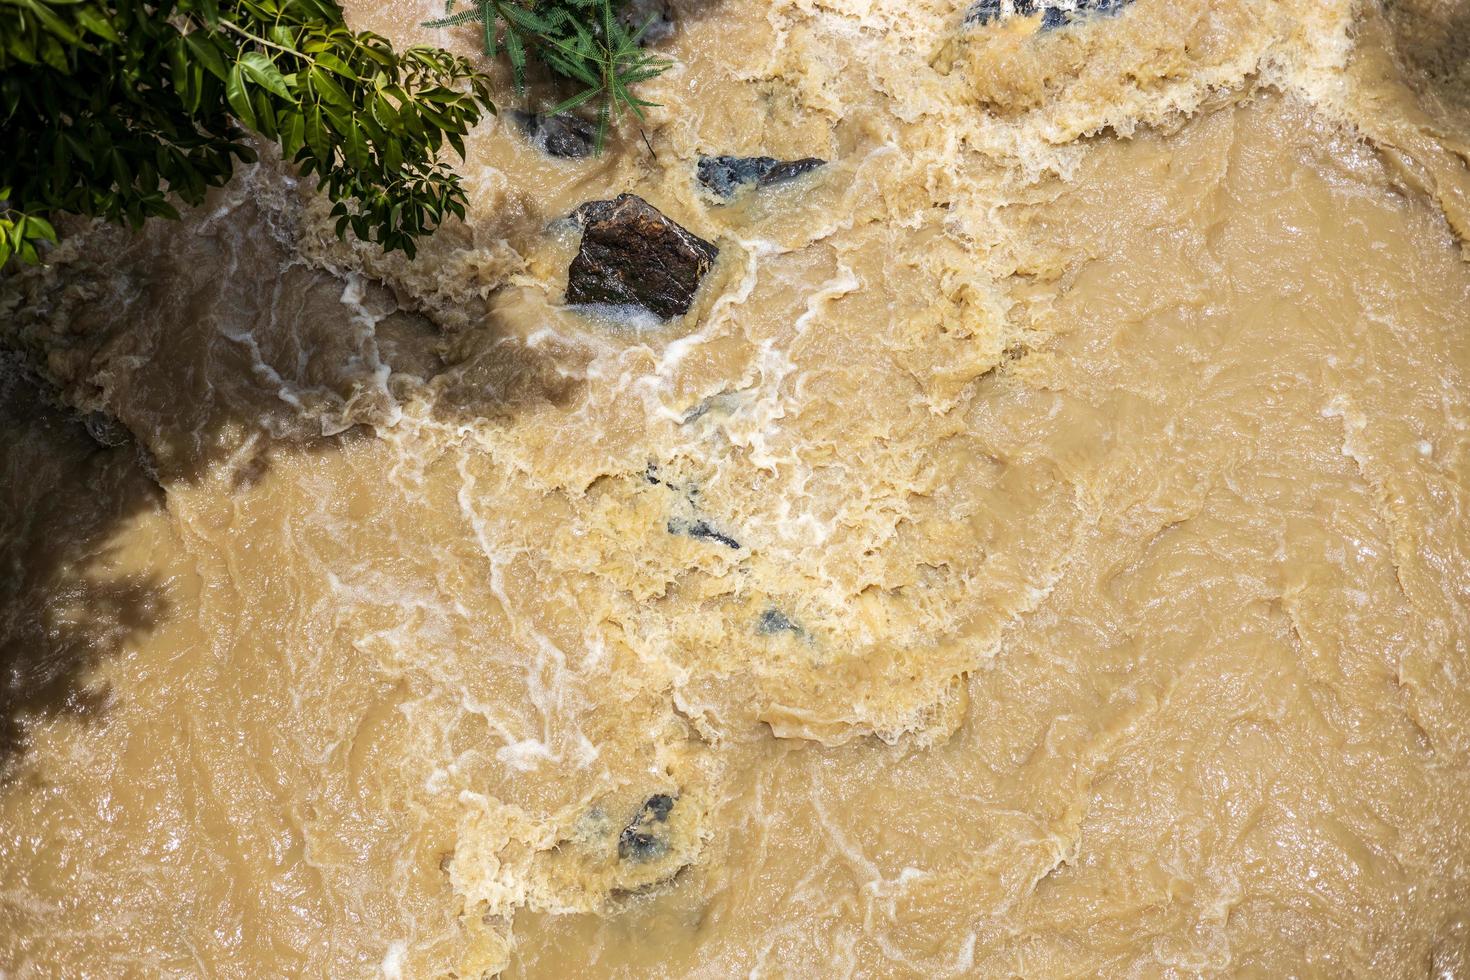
(774, 621)
(564, 136)
(1052, 15)
(632, 254)
(702, 530)
(105, 430)
(984, 12)
(725, 176)
(658, 15)
(645, 837)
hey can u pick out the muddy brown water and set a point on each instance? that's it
(1085, 455)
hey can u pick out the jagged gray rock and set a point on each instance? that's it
(645, 837)
(1053, 15)
(657, 14)
(726, 175)
(564, 136)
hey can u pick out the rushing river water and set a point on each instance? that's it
(1043, 549)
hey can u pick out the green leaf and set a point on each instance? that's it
(328, 88)
(356, 150)
(265, 115)
(263, 71)
(40, 228)
(208, 54)
(335, 64)
(53, 54)
(316, 135)
(384, 113)
(293, 135)
(119, 166)
(581, 98)
(50, 20)
(96, 22)
(238, 97)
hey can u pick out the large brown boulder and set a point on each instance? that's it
(632, 254)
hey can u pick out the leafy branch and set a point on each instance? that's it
(112, 108)
(21, 233)
(584, 41)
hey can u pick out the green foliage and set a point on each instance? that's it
(112, 108)
(583, 41)
(20, 233)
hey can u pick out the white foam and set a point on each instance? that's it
(629, 316)
(392, 965)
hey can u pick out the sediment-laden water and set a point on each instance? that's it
(1041, 550)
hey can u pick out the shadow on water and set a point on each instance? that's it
(60, 615)
(1433, 39)
(216, 349)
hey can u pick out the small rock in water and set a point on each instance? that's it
(984, 11)
(1052, 15)
(105, 430)
(632, 255)
(657, 14)
(643, 839)
(725, 175)
(774, 621)
(565, 136)
(1057, 17)
(702, 530)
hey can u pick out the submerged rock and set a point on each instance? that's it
(774, 621)
(643, 839)
(632, 254)
(105, 430)
(1052, 15)
(702, 530)
(657, 14)
(984, 11)
(724, 175)
(1060, 17)
(565, 136)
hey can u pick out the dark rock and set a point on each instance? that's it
(659, 806)
(565, 136)
(105, 430)
(657, 14)
(632, 254)
(702, 530)
(987, 11)
(725, 176)
(644, 838)
(983, 12)
(774, 621)
(1056, 17)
